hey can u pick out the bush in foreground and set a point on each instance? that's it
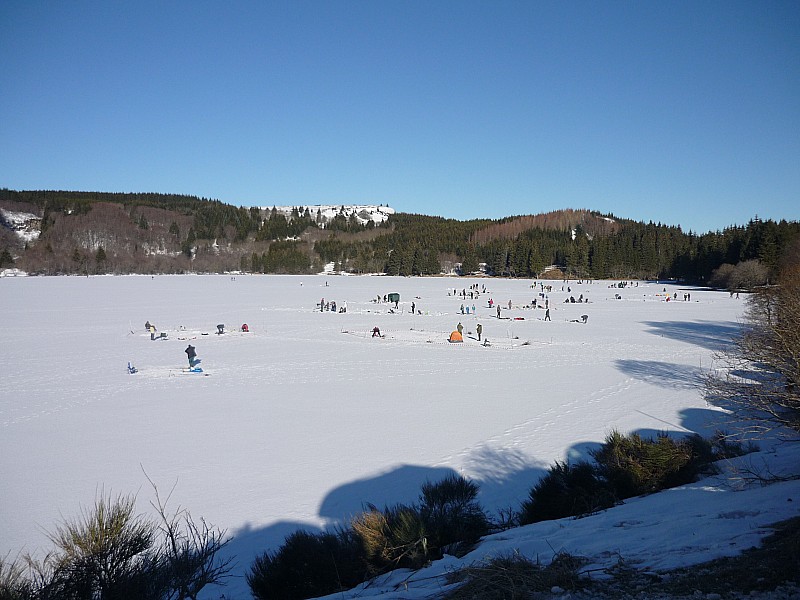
(308, 565)
(514, 576)
(452, 514)
(634, 465)
(446, 519)
(625, 466)
(110, 553)
(565, 491)
(392, 538)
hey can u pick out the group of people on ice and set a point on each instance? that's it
(457, 336)
(191, 351)
(332, 306)
(473, 292)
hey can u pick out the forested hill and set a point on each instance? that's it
(57, 232)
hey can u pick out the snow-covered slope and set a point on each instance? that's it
(363, 212)
(307, 417)
(25, 225)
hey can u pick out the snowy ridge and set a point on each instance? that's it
(363, 212)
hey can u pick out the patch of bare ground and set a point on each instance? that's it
(768, 572)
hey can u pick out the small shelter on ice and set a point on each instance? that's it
(456, 337)
(394, 297)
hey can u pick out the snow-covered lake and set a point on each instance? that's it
(306, 417)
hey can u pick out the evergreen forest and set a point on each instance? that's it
(98, 232)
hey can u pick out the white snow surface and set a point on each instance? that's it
(307, 417)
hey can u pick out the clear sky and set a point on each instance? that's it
(680, 112)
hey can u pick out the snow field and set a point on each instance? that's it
(304, 419)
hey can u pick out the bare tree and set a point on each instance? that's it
(190, 550)
(761, 371)
(748, 275)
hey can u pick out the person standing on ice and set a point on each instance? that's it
(479, 330)
(547, 314)
(191, 354)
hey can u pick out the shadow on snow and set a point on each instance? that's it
(667, 375)
(711, 335)
(505, 476)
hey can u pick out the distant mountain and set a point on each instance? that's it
(62, 232)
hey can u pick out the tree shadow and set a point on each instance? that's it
(246, 544)
(712, 335)
(400, 485)
(671, 376)
(505, 476)
(667, 375)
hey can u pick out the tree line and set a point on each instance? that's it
(178, 233)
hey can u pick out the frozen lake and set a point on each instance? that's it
(306, 417)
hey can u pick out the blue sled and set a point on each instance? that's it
(193, 370)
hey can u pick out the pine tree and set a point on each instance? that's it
(469, 261)
(6, 260)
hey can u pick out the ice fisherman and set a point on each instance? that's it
(479, 330)
(191, 354)
(460, 327)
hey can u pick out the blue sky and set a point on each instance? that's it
(680, 112)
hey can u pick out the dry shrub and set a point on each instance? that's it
(515, 577)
